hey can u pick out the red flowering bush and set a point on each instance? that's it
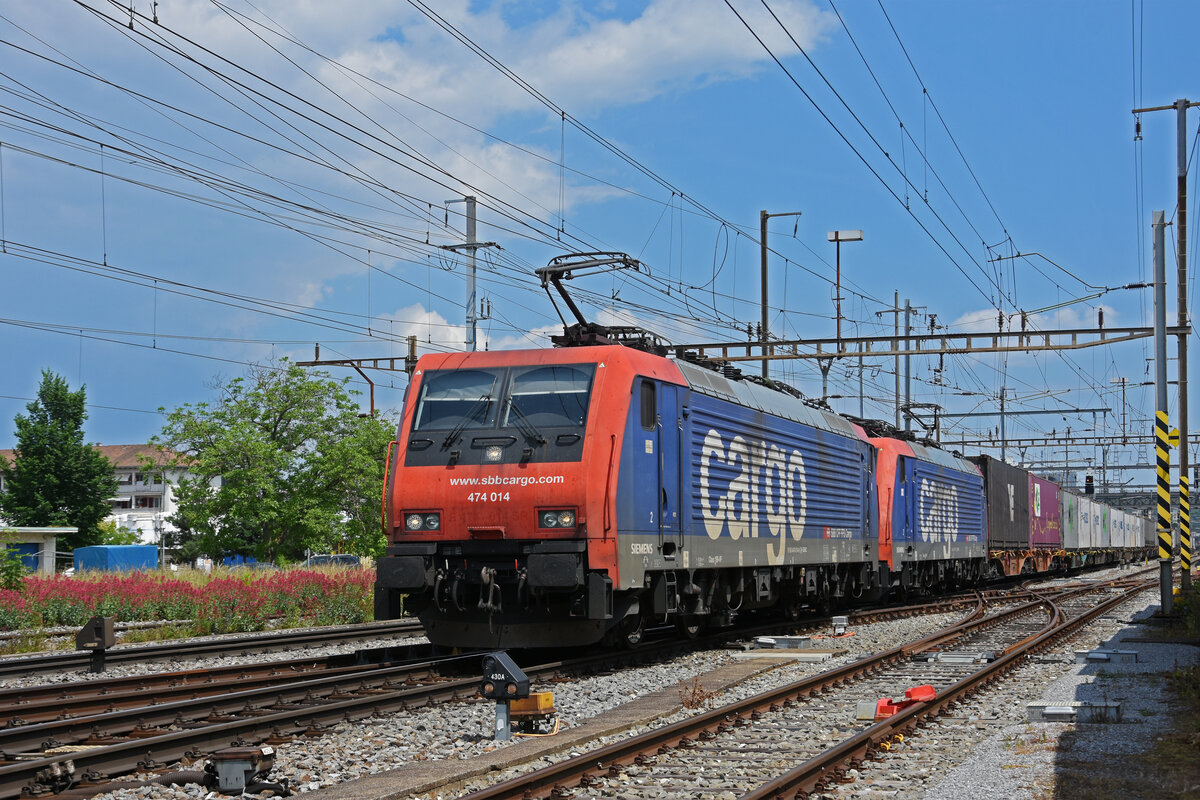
(228, 605)
(216, 604)
(14, 611)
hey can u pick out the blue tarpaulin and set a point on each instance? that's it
(116, 557)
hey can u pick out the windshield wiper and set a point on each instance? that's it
(457, 430)
(522, 424)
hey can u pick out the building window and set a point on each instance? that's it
(124, 477)
(121, 502)
(148, 501)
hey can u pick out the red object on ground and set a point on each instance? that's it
(884, 707)
(920, 694)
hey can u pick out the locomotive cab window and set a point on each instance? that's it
(457, 397)
(554, 396)
(649, 406)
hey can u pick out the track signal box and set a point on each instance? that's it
(97, 634)
(502, 678)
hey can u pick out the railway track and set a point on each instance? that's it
(107, 727)
(114, 726)
(751, 749)
(43, 663)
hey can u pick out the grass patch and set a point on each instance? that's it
(25, 641)
(157, 633)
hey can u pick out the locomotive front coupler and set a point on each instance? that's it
(489, 592)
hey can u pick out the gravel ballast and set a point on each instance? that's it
(987, 750)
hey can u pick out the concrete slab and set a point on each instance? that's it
(783, 642)
(806, 656)
(1073, 712)
(1105, 656)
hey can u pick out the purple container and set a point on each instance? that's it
(1045, 514)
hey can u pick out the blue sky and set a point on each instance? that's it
(238, 182)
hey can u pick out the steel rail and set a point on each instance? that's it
(20, 666)
(821, 770)
(260, 723)
(136, 706)
(687, 732)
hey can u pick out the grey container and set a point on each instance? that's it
(1007, 489)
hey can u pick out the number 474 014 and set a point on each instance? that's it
(487, 497)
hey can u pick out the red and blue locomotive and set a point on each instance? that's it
(573, 495)
(562, 496)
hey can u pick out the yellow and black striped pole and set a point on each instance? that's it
(1185, 530)
(1163, 459)
(1162, 456)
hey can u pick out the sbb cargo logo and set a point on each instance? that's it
(767, 483)
(937, 506)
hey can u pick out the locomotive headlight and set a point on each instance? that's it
(414, 522)
(493, 453)
(558, 518)
(433, 522)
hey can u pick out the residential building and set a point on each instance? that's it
(145, 497)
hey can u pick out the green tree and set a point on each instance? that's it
(110, 533)
(12, 568)
(55, 477)
(281, 462)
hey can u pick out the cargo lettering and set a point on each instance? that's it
(938, 511)
(767, 483)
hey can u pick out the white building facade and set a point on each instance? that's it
(145, 497)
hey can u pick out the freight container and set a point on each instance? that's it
(1089, 524)
(1045, 517)
(1104, 539)
(1071, 507)
(1008, 504)
(1119, 530)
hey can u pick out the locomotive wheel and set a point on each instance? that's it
(793, 608)
(690, 627)
(630, 631)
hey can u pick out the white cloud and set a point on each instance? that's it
(437, 334)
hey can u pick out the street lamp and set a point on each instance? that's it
(839, 237)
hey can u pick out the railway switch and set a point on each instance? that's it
(96, 636)
(883, 708)
(503, 681)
